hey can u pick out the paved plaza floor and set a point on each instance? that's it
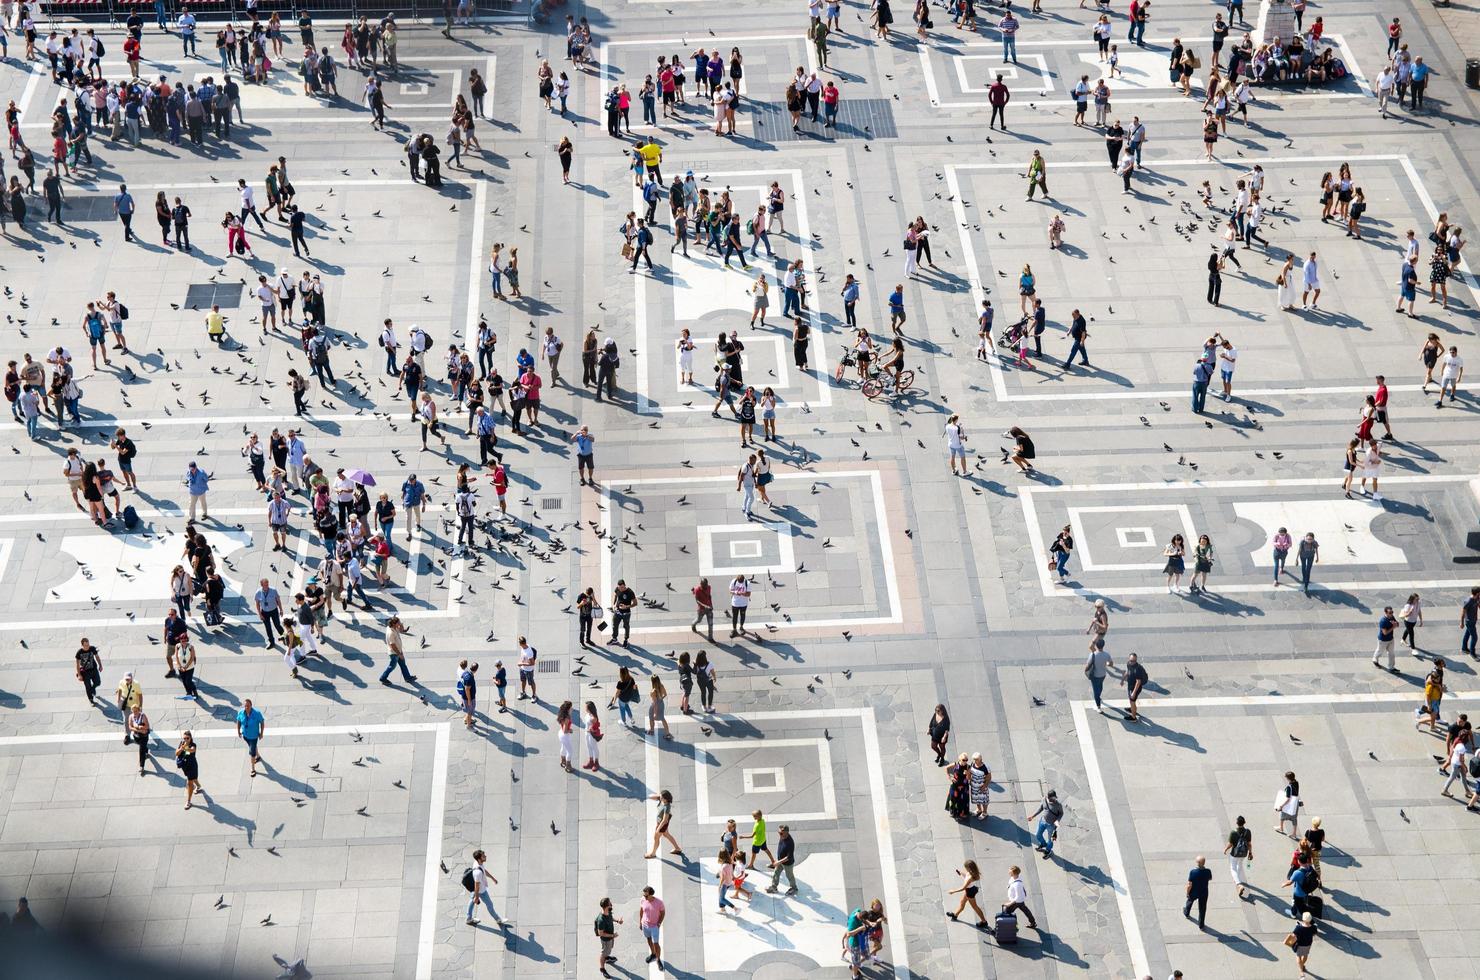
(880, 583)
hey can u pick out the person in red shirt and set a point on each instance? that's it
(501, 486)
(999, 96)
(531, 382)
(132, 51)
(703, 607)
(1380, 397)
(665, 84)
(830, 97)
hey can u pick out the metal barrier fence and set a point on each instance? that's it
(114, 11)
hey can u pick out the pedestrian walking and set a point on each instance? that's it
(1059, 552)
(476, 879)
(88, 668)
(396, 653)
(739, 604)
(606, 933)
(188, 763)
(136, 728)
(1017, 897)
(268, 604)
(1287, 804)
(1096, 668)
(251, 728)
(939, 731)
(1198, 880)
(1309, 555)
(1300, 939)
(1136, 680)
(1468, 612)
(1240, 851)
(785, 862)
(1049, 814)
(1412, 616)
(971, 878)
(662, 823)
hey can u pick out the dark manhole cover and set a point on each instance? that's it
(204, 295)
(548, 666)
(549, 503)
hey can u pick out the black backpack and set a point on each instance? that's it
(1241, 843)
(467, 879)
(1475, 767)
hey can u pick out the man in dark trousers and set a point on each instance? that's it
(1198, 880)
(999, 96)
(295, 228)
(429, 155)
(180, 215)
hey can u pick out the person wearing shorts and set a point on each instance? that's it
(585, 456)
(650, 915)
(250, 727)
(527, 655)
(115, 311)
(92, 327)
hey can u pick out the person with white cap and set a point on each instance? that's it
(287, 292)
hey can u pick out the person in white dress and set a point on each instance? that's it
(1285, 281)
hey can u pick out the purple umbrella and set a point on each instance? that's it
(361, 477)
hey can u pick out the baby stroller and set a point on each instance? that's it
(1011, 336)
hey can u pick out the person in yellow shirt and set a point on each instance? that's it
(652, 158)
(129, 695)
(216, 324)
(758, 840)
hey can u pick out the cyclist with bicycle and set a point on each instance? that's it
(863, 349)
(893, 363)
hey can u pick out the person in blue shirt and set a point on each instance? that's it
(487, 439)
(250, 727)
(467, 691)
(413, 493)
(1420, 81)
(896, 309)
(585, 455)
(1386, 624)
(1197, 891)
(123, 206)
(1201, 375)
(93, 328)
(197, 482)
(850, 300)
(1302, 883)
(525, 360)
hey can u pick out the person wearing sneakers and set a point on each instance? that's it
(481, 877)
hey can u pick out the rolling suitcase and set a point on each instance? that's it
(1317, 906)
(1004, 929)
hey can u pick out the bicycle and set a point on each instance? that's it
(872, 387)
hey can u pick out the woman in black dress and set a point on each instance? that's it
(17, 202)
(189, 767)
(883, 17)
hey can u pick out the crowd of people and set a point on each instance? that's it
(354, 528)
